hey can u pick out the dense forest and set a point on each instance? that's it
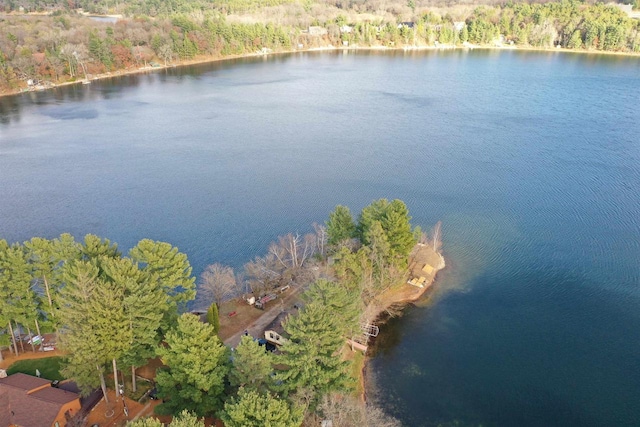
(112, 312)
(48, 42)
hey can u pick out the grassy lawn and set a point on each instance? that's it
(355, 371)
(245, 315)
(49, 367)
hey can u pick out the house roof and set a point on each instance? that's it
(28, 401)
(54, 395)
(69, 386)
(24, 381)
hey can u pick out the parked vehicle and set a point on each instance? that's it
(268, 297)
(153, 394)
(264, 300)
(267, 345)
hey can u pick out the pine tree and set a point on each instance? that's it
(576, 40)
(197, 364)
(252, 366)
(47, 257)
(83, 364)
(397, 226)
(374, 212)
(20, 304)
(183, 419)
(252, 409)
(380, 248)
(7, 311)
(40, 253)
(213, 317)
(344, 304)
(186, 419)
(95, 247)
(311, 352)
(144, 305)
(172, 271)
(145, 422)
(340, 226)
(464, 34)
(109, 321)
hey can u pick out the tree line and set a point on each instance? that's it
(65, 46)
(105, 308)
(112, 311)
(566, 24)
(53, 49)
(309, 379)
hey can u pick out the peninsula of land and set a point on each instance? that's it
(315, 302)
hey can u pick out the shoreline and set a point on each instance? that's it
(330, 48)
(399, 297)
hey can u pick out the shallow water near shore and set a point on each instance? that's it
(530, 159)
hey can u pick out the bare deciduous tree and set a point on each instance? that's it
(321, 238)
(291, 251)
(262, 273)
(218, 283)
(346, 411)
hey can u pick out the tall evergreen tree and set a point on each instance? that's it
(183, 419)
(172, 271)
(110, 324)
(397, 225)
(252, 366)
(213, 317)
(47, 257)
(344, 304)
(252, 409)
(380, 248)
(197, 364)
(41, 256)
(395, 222)
(7, 310)
(374, 212)
(84, 364)
(20, 305)
(144, 304)
(95, 247)
(311, 352)
(186, 419)
(340, 225)
(145, 422)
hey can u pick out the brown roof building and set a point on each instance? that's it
(27, 401)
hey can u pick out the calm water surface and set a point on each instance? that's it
(531, 160)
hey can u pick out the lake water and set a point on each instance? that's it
(531, 160)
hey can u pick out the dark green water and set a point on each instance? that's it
(531, 160)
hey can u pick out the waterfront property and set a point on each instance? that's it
(530, 159)
(28, 401)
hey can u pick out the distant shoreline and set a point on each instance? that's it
(205, 60)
